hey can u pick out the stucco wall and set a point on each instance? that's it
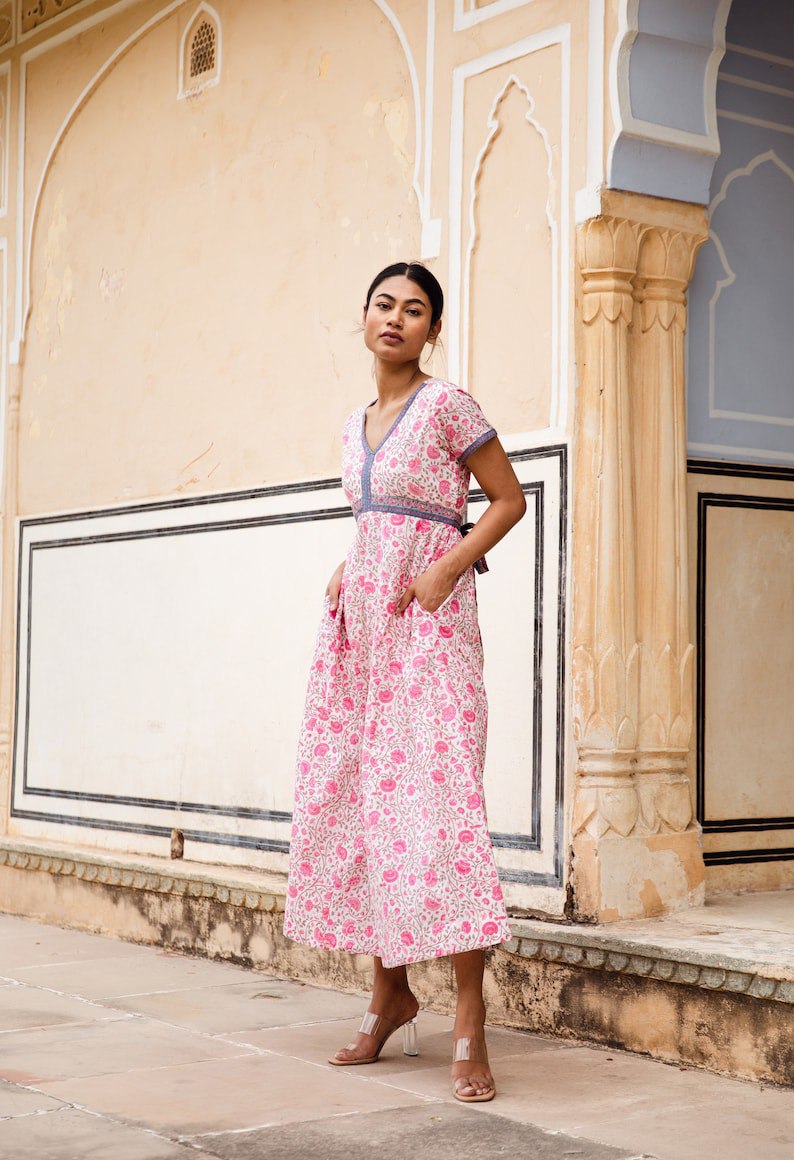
(184, 284)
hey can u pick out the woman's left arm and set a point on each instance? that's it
(493, 471)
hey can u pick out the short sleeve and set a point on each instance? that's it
(462, 423)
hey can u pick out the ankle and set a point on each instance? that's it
(469, 1017)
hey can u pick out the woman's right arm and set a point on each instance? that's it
(334, 584)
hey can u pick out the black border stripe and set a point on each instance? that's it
(736, 857)
(206, 836)
(181, 502)
(532, 841)
(706, 501)
(740, 470)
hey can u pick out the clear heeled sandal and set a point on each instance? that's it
(472, 1050)
(381, 1029)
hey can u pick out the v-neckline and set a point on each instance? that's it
(372, 451)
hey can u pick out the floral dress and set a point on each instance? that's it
(390, 851)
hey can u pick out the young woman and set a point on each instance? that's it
(390, 852)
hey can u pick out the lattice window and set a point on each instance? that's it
(203, 50)
(200, 63)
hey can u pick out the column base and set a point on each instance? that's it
(637, 876)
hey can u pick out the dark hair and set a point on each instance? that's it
(419, 274)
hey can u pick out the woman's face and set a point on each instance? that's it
(397, 321)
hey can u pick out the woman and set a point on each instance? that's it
(390, 852)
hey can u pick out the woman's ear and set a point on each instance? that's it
(434, 331)
(364, 314)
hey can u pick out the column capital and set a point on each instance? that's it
(608, 249)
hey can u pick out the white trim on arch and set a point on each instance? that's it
(431, 229)
(458, 274)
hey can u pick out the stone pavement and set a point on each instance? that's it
(110, 1051)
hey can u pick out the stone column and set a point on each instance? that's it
(635, 847)
(7, 603)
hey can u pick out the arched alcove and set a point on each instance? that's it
(511, 271)
(144, 319)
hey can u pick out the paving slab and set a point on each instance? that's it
(626, 1101)
(95, 1081)
(20, 948)
(244, 1007)
(125, 1046)
(247, 1092)
(116, 976)
(444, 1133)
(72, 1134)
(17, 1101)
(317, 1042)
(30, 1007)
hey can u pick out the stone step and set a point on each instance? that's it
(711, 987)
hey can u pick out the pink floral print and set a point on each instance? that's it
(390, 851)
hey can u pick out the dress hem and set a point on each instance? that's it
(482, 943)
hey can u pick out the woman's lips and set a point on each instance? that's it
(390, 336)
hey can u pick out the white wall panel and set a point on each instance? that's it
(163, 655)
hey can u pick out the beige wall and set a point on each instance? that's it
(196, 267)
(185, 281)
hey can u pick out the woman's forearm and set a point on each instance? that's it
(492, 526)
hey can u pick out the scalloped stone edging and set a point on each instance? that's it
(574, 947)
(185, 884)
(548, 942)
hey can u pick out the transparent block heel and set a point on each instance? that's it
(380, 1029)
(410, 1037)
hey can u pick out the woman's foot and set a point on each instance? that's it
(395, 1006)
(472, 1081)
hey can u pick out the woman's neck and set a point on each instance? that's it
(395, 383)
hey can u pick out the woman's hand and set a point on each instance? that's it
(334, 584)
(431, 588)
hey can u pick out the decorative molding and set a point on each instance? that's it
(6, 24)
(769, 57)
(746, 119)
(646, 804)
(186, 883)
(457, 288)
(722, 451)
(769, 156)
(641, 150)
(34, 13)
(469, 13)
(577, 948)
(494, 126)
(595, 95)
(5, 125)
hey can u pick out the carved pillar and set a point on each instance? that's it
(635, 848)
(659, 429)
(7, 626)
